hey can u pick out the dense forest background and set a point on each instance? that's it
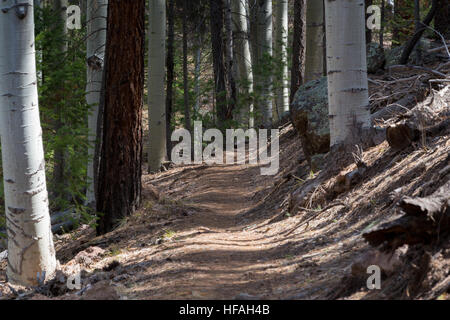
(62, 83)
(363, 136)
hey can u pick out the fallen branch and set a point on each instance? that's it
(394, 108)
(317, 213)
(411, 67)
(424, 220)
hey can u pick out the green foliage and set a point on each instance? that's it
(63, 108)
(63, 112)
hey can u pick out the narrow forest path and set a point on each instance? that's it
(213, 254)
(221, 232)
(227, 232)
(223, 246)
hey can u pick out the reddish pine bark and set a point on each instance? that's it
(119, 181)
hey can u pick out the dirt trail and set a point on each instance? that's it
(213, 256)
(230, 234)
(224, 248)
(227, 232)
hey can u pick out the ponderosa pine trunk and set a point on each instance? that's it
(198, 61)
(157, 152)
(348, 97)
(216, 22)
(315, 32)
(119, 181)
(229, 54)
(97, 11)
(30, 241)
(170, 65)
(298, 47)
(187, 113)
(368, 3)
(244, 61)
(282, 25)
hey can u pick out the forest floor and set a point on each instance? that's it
(227, 232)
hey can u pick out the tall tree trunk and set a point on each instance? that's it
(347, 71)
(265, 48)
(60, 9)
(97, 11)
(119, 181)
(157, 152)
(187, 113)
(255, 54)
(367, 3)
(298, 47)
(282, 42)
(170, 65)
(315, 32)
(30, 240)
(198, 61)
(244, 60)
(442, 18)
(229, 54)
(383, 18)
(216, 22)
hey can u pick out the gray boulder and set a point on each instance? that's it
(375, 57)
(393, 55)
(310, 117)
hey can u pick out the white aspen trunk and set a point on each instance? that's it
(315, 32)
(97, 11)
(347, 70)
(30, 240)
(244, 59)
(282, 43)
(156, 87)
(265, 47)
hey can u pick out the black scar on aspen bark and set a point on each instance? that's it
(21, 11)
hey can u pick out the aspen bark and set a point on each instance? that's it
(97, 11)
(314, 61)
(282, 95)
(347, 70)
(30, 240)
(244, 60)
(156, 88)
(265, 48)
